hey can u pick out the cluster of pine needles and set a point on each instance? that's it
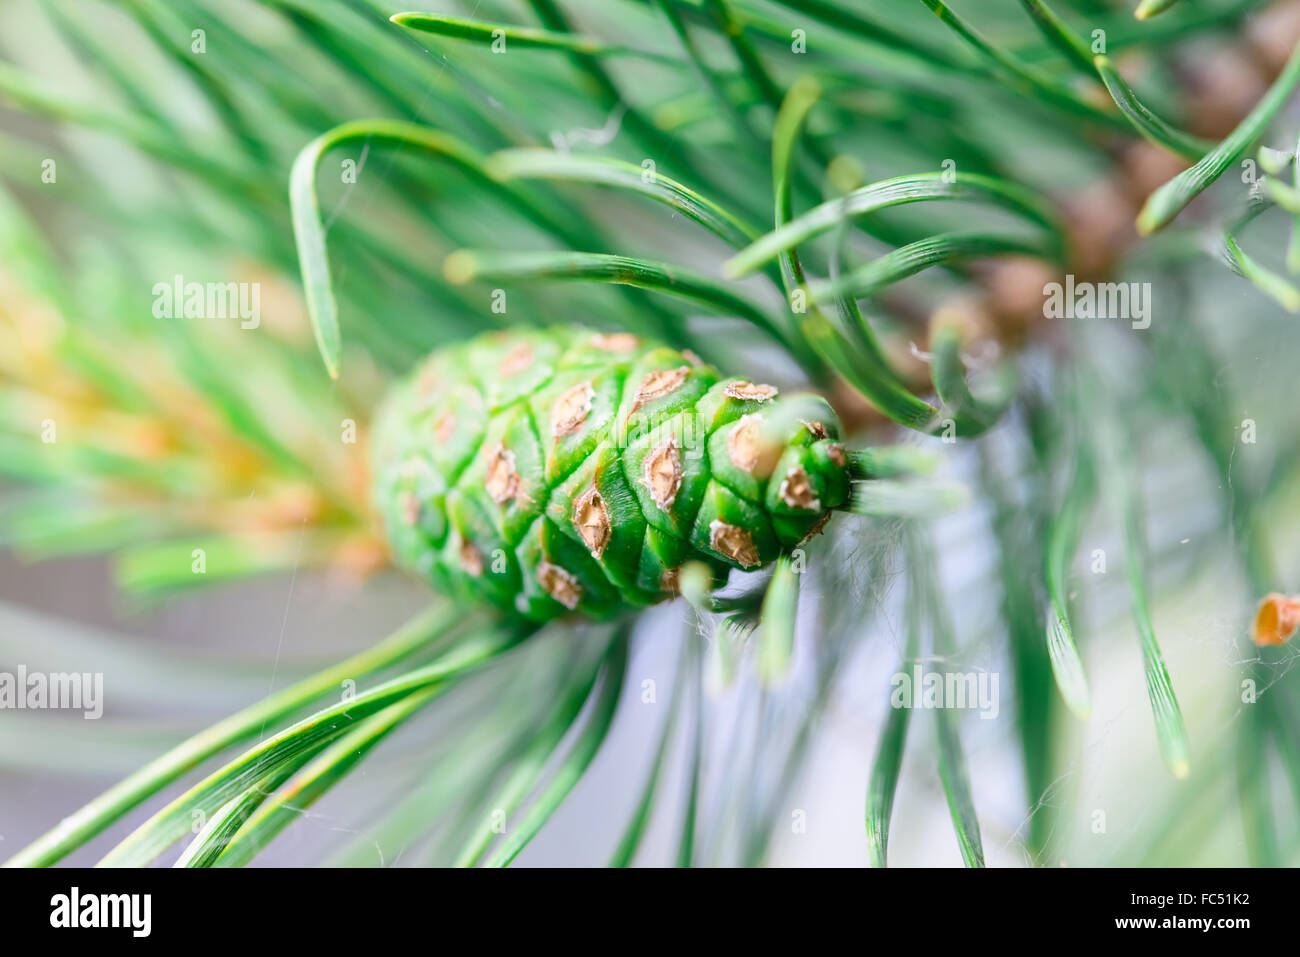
(866, 199)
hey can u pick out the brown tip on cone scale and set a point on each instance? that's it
(751, 391)
(661, 473)
(836, 453)
(670, 581)
(734, 542)
(502, 477)
(518, 359)
(470, 559)
(591, 518)
(615, 342)
(570, 409)
(749, 449)
(559, 584)
(817, 430)
(1276, 620)
(445, 428)
(660, 383)
(797, 492)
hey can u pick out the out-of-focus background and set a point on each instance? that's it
(145, 140)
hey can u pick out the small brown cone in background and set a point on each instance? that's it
(1013, 295)
(1276, 620)
(968, 316)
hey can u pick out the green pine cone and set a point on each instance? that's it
(560, 470)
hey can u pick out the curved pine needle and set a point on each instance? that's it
(868, 375)
(792, 107)
(1288, 197)
(575, 762)
(631, 840)
(1019, 514)
(956, 788)
(776, 624)
(531, 765)
(1152, 127)
(1027, 79)
(467, 265)
(1171, 733)
(889, 753)
(953, 773)
(458, 777)
(686, 845)
(538, 163)
(297, 744)
(81, 826)
(649, 137)
(971, 415)
(883, 785)
(1293, 243)
(1122, 33)
(1273, 161)
(899, 264)
(243, 827)
(523, 38)
(1173, 197)
(841, 16)
(790, 117)
(897, 191)
(1063, 539)
(865, 367)
(1265, 280)
(733, 29)
(711, 78)
(1150, 8)
(1059, 35)
(309, 229)
(313, 781)
(380, 59)
(220, 827)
